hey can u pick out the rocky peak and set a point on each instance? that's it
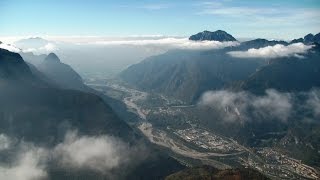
(218, 35)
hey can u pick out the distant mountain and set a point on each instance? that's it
(287, 74)
(34, 42)
(308, 39)
(32, 58)
(212, 36)
(300, 40)
(186, 74)
(210, 173)
(60, 73)
(259, 43)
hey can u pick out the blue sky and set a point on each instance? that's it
(284, 19)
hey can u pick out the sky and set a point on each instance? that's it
(285, 19)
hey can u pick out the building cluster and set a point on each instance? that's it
(206, 140)
(276, 160)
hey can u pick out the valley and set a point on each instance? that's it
(160, 90)
(172, 125)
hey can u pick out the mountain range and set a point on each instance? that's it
(309, 38)
(186, 74)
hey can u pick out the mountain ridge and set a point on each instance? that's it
(187, 74)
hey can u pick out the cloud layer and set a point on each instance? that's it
(169, 43)
(48, 48)
(273, 51)
(9, 48)
(244, 106)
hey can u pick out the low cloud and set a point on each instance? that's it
(5, 142)
(245, 106)
(274, 104)
(313, 102)
(101, 153)
(28, 163)
(273, 51)
(171, 43)
(48, 48)
(27, 167)
(9, 47)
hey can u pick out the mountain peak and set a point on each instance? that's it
(218, 35)
(309, 38)
(52, 57)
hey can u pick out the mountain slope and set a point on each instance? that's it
(187, 74)
(27, 102)
(40, 112)
(287, 74)
(60, 73)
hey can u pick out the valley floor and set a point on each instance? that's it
(192, 144)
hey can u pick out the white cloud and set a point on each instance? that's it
(314, 102)
(101, 153)
(273, 51)
(179, 43)
(231, 105)
(274, 104)
(244, 106)
(48, 48)
(5, 142)
(9, 48)
(148, 41)
(29, 164)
